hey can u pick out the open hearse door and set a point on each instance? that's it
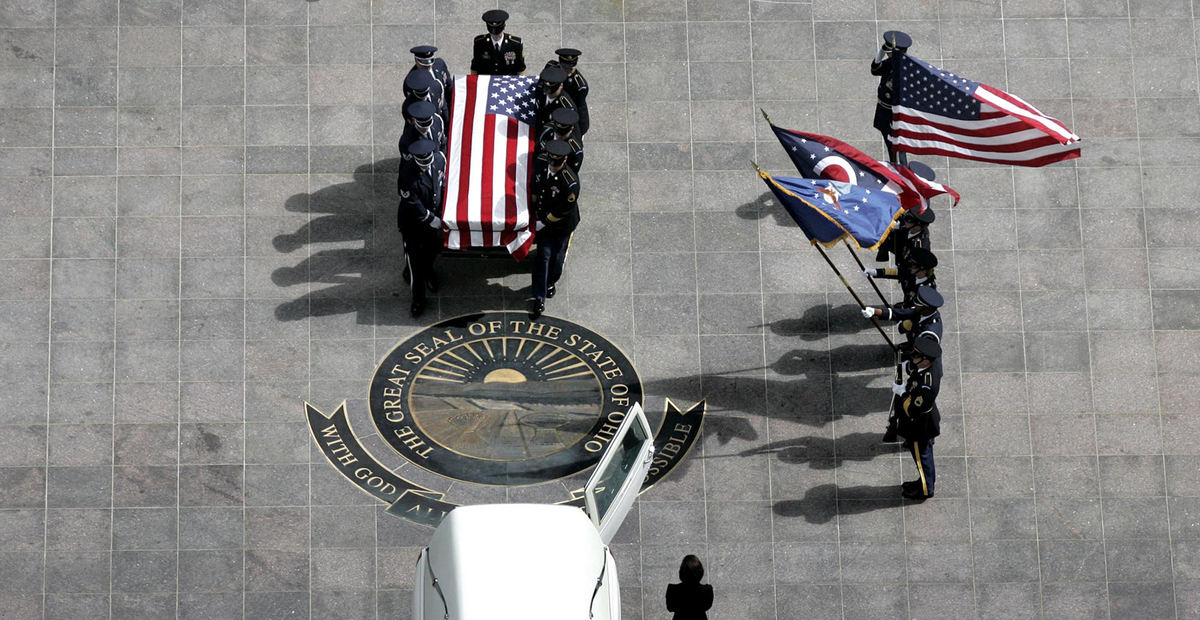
(537, 561)
(617, 479)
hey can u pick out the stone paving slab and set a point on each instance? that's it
(196, 237)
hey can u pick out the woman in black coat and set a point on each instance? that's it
(689, 599)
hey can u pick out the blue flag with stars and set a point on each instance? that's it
(829, 211)
(513, 95)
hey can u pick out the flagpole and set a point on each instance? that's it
(864, 268)
(899, 371)
(874, 321)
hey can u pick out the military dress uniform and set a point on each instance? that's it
(561, 127)
(575, 86)
(556, 204)
(895, 44)
(421, 181)
(919, 420)
(503, 57)
(421, 124)
(913, 273)
(552, 96)
(421, 86)
(424, 59)
(922, 319)
(913, 233)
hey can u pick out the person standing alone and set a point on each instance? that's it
(689, 599)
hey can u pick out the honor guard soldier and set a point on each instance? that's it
(424, 60)
(913, 233)
(420, 86)
(421, 124)
(895, 43)
(420, 184)
(562, 127)
(915, 223)
(921, 319)
(556, 205)
(497, 53)
(918, 419)
(576, 86)
(553, 95)
(914, 272)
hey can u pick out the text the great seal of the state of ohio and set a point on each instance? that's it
(495, 398)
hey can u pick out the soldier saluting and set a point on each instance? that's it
(895, 43)
(497, 53)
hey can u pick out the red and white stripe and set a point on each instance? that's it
(919, 189)
(488, 166)
(1008, 131)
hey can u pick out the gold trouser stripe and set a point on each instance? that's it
(916, 452)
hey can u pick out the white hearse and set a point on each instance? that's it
(537, 561)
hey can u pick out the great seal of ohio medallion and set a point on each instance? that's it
(499, 399)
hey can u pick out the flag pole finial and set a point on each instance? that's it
(764, 113)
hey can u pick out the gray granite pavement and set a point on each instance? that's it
(197, 236)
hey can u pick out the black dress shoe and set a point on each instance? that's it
(915, 494)
(889, 435)
(418, 307)
(550, 291)
(432, 283)
(911, 484)
(537, 306)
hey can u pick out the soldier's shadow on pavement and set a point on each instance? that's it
(812, 398)
(820, 321)
(356, 256)
(819, 385)
(823, 503)
(826, 452)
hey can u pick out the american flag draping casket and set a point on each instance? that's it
(489, 162)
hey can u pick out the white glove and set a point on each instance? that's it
(539, 225)
(898, 389)
(868, 312)
(870, 273)
(436, 223)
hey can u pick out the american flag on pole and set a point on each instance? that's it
(935, 112)
(489, 157)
